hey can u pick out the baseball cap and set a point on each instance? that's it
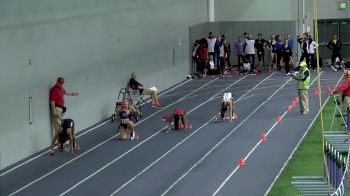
(60, 80)
(302, 64)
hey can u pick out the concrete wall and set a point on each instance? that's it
(280, 10)
(94, 45)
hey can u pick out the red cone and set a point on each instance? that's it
(279, 119)
(288, 108)
(293, 103)
(315, 91)
(241, 162)
(263, 137)
(329, 89)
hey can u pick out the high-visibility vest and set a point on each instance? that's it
(304, 85)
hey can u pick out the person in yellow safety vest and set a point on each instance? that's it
(303, 78)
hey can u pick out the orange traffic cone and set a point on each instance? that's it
(329, 89)
(279, 119)
(288, 109)
(263, 137)
(293, 103)
(241, 162)
(297, 100)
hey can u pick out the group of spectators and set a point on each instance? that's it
(213, 53)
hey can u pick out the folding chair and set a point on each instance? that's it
(136, 98)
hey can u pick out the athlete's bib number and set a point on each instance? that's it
(125, 121)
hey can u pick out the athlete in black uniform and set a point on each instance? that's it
(126, 126)
(65, 133)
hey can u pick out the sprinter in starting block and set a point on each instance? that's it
(65, 133)
(179, 119)
(226, 104)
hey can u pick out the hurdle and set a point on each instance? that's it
(336, 147)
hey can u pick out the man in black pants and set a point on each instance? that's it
(335, 45)
(259, 45)
(304, 46)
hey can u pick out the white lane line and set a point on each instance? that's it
(222, 140)
(250, 152)
(297, 146)
(83, 133)
(127, 152)
(178, 144)
(100, 144)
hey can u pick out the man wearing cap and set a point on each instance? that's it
(57, 107)
(303, 78)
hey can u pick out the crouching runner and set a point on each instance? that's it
(179, 119)
(65, 133)
(225, 105)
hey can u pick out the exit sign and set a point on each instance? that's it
(343, 5)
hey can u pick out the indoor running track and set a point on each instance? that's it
(203, 161)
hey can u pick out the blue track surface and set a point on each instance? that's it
(203, 161)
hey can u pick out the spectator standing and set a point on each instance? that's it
(304, 46)
(290, 42)
(211, 40)
(312, 47)
(287, 56)
(279, 46)
(335, 45)
(239, 44)
(260, 44)
(222, 55)
(250, 50)
(272, 46)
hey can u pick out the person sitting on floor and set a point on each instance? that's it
(126, 126)
(65, 133)
(224, 104)
(135, 85)
(179, 118)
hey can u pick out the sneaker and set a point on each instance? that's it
(156, 105)
(132, 135)
(334, 69)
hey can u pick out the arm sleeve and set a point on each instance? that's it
(329, 45)
(345, 85)
(306, 74)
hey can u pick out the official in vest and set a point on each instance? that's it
(303, 78)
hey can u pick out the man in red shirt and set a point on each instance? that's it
(344, 88)
(57, 108)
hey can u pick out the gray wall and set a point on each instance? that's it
(280, 10)
(94, 45)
